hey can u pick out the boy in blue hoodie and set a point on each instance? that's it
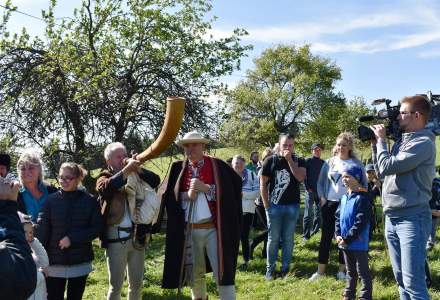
(352, 231)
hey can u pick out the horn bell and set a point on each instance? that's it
(170, 129)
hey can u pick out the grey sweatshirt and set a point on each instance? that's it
(408, 172)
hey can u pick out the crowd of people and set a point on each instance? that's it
(46, 232)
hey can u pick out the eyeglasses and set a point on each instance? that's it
(409, 112)
(406, 112)
(65, 178)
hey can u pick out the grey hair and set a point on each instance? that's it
(32, 157)
(238, 157)
(111, 148)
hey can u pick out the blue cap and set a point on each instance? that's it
(354, 171)
(369, 167)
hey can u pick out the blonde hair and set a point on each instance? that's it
(266, 152)
(347, 137)
(77, 170)
(32, 157)
(111, 148)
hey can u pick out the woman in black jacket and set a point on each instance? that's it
(67, 225)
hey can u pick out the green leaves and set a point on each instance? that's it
(281, 94)
(105, 74)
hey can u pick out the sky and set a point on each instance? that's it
(386, 49)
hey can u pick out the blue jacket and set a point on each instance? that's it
(353, 220)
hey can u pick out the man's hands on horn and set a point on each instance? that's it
(8, 189)
(132, 165)
(196, 186)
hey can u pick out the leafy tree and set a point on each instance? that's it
(331, 121)
(287, 88)
(104, 74)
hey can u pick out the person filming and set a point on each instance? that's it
(408, 170)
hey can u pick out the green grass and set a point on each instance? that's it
(251, 284)
(161, 165)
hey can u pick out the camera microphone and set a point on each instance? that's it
(367, 118)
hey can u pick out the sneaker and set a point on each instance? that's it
(268, 276)
(315, 276)
(429, 246)
(341, 276)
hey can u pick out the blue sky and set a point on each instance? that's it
(384, 48)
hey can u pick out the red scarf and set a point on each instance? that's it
(203, 169)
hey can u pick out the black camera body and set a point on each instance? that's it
(389, 115)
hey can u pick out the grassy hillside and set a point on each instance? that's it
(251, 284)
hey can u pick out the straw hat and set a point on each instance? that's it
(192, 137)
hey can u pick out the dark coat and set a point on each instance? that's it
(20, 201)
(229, 214)
(72, 214)
(18, 274)
(108, 185)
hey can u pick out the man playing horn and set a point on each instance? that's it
(117, 237)
(203, 203)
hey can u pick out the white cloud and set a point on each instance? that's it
(430, 54)
(422, 23)
(309, 31)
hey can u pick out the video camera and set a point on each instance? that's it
(390, 116)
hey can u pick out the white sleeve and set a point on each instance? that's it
(40, 253)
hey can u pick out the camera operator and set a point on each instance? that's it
(18, 274)
(408, 171)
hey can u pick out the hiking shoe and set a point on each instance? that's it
(341, 276)
(268, 276)
(429, 246)
(315, 276)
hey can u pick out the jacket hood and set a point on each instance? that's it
(419, 133)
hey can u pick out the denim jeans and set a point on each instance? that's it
(312, 214)
(281, 220)
(406, 239)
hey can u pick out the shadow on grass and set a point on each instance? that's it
(171, 294)
(383, 273)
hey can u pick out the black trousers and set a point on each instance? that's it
(312, 214)
(56, 287)
(245, 230)
(356, 263)
(328, 232)
(262, 237)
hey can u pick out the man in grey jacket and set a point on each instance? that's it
(408, 171)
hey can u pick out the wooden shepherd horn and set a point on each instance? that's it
(171, 126)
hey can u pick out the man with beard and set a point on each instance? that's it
(253, 164)
(203, 204)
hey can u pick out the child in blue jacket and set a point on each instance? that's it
(352, 233)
